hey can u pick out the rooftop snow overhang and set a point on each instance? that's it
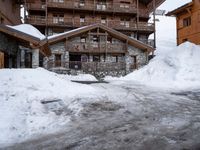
(26, 39)
(182, 9)
(114, 33)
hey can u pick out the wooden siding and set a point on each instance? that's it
(1, 60)
(75, 23)
(192, 32)
(10, 12)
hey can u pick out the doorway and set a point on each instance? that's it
(75, 61)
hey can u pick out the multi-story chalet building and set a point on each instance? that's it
(10, 12)
(110, 37)
(188, 22)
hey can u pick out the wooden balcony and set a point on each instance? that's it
(36, 6)
(78, 47)
(93, 6)
(75, 23)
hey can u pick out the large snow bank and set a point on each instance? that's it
(29, 29)
(179, 67)
(22, 113)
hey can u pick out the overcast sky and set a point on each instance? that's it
(173, 4)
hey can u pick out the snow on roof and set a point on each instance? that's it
(60, 34)
(28, 29)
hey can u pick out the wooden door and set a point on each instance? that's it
(1, 60)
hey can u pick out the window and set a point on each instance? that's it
(82, 19)
(187, 21)
(83, 39)
(59, 1)
(125, 22)
(95, 41)
(103, 20)
(124, 5)
(58, 18)
(57, 60)
(96, 58)
(101, 5)
(82, 3)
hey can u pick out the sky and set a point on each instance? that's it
(166, 26)
(173, 4)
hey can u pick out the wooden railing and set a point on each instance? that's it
(94, 6)
(91, 6)
(36, 6)
(71, 22)
(101, 47)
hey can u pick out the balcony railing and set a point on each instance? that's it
(93, 47)
(36, 6)
(116, 24)
(94, 6)
(91, 6)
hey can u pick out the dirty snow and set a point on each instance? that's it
(79, 77)
(29, 29)
(24, 113)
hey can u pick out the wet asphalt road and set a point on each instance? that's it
(128, 117)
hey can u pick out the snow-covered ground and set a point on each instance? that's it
(79, 77)
(178, 68)
(23, 93)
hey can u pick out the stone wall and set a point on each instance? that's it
(140, 56)
(58, 48)
(109, 64)
(10, 48)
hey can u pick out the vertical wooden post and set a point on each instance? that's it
(138, 19)
(106, 47)
(154, 20)
(46, 19)
(1, 60)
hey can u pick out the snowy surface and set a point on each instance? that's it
(29, 29)
(121, 115)
(22, 113)
(179, 67)
(79, 77)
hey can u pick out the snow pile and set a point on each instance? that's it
(23, 108)
(79, 77)
(176, 68)
(29, 29)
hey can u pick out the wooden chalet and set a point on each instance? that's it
(96, 49)
(130, 17)
(188, 22)
(18, 49)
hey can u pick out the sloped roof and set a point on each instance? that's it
(180, 9)
(26, 39)
(114, 33)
